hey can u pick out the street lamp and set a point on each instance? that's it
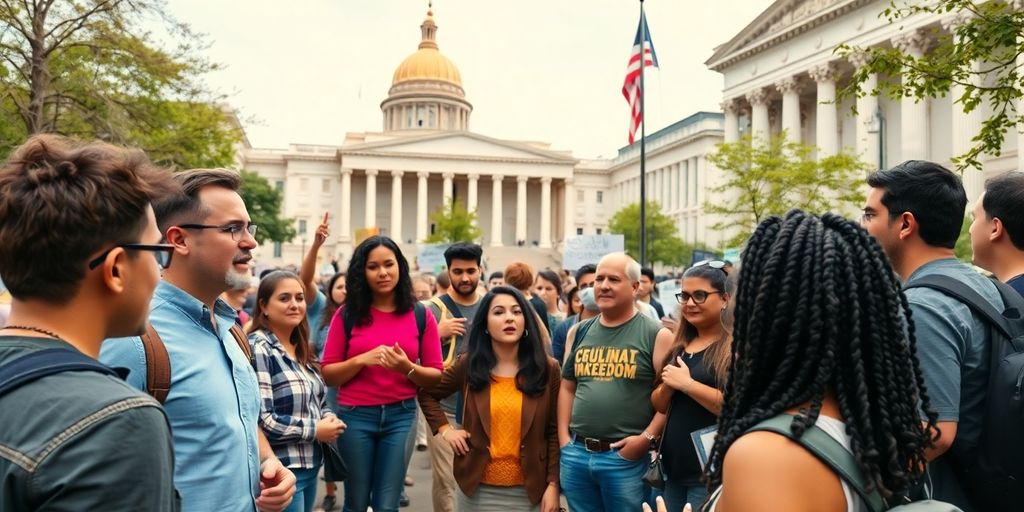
(877, 125)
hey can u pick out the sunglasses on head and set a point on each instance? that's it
(719, 264)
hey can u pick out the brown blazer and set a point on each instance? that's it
(539, 451)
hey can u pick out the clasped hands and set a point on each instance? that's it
(390, 357)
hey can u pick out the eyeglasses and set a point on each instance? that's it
(698, 297)
(162, 253)
(720, 265)
(235, 229)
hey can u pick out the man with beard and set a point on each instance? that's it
(223, 460)
(454, 312)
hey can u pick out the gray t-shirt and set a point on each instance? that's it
(953, 347)
(469, 313)
(82, 440)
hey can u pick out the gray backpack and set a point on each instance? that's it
(837, 457)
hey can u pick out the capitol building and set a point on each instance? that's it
(780, 72)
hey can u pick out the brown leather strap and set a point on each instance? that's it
(243, 342)
(158, 365)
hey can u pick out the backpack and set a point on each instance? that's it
(158, 363)
(447, 306)
(992, 471)
(842, 462)
(37, 365)
(418, 310)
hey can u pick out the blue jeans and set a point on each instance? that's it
(373, 447)
(677, 495)
(601, 481)
(305, 490)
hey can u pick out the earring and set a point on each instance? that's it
(525, 333)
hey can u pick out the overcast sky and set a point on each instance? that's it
(307, 71)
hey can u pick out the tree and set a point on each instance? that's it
(88, 69)
(765, 179)
(663, 243)
(981, 58)
(963, 250)
(264, 205)
(453, 223)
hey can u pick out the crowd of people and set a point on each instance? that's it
(150, 376)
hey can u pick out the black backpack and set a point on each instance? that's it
(419, 311)
(992, 471)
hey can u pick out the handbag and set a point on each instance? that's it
(335, 469)
(655, 474)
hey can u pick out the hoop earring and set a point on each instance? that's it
(525, 334)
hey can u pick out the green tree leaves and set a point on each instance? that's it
(264, 205)
(663, 243)
(453, 223)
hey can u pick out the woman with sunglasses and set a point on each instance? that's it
(692, 379)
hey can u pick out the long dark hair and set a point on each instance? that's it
(532, 376)
(304, 353)
(718, 356)
(360, 296)
(819, 311)
(331, 307)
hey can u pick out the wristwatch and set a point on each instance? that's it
(650, 438)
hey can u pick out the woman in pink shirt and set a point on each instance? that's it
(373, 345)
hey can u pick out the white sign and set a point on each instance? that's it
(583, 249)
(431, 258)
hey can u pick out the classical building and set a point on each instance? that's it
(781, 73)
(528, 197)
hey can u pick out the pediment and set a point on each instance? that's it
(458, 145)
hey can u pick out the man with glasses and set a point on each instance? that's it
(223, 460)
(606, 423)
(77, 244)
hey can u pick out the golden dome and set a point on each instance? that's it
(427, 63)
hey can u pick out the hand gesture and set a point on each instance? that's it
(670, 323)
(664, 508)
(322, 231)
(394, 358)
(372, 357)
(329, 428)
(277, 486)
(550, 502)
(677, 377)
(451, 327)
(458, 439)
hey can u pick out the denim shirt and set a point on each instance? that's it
(213, 404)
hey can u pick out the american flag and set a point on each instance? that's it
(631, 86)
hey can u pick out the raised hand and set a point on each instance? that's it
(322, 231)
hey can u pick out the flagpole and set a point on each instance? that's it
(643, 144)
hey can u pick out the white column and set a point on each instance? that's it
(471, 199)
(827, 125)
(570, 208)
(965, 125)
(789, 87)
(1018, 5)
(496, 219)
(521, 208)
(345, 217)
(447, 188)
(867, 146)
(732, 120)
(421, 206)
(396, 206)
(370, 218)
(758, 99)
(545, 213)
(913, 113)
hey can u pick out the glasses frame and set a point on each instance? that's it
(231, 228)
(679, 297)
(153, 248)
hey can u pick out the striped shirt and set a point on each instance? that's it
(292, 402)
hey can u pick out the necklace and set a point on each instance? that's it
(35, 329)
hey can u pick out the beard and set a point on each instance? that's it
(237, 280)
(459, 289)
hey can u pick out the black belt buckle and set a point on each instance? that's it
(592, 445)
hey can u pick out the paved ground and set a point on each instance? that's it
(419, 494)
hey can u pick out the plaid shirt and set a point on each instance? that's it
(292, 403)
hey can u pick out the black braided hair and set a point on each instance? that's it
(820, 311)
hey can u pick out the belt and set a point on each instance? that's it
(593, 444)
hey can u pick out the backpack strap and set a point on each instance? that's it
(243, 343)
(963, 293)
(581, 331)
(828, 451)
(420, 311)
(442, 306)
(46, 362)
(158, 364)
(453, 308)
(346, 324)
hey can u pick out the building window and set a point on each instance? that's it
(579, 231)
(277, 249)
(599, 229)
(579, 196)
(302, 226)
(303, 184)
(279, 185)
(326, 186)
(600, 198)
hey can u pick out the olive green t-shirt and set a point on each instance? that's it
(614, 374)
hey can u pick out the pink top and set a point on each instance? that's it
(376, 385)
